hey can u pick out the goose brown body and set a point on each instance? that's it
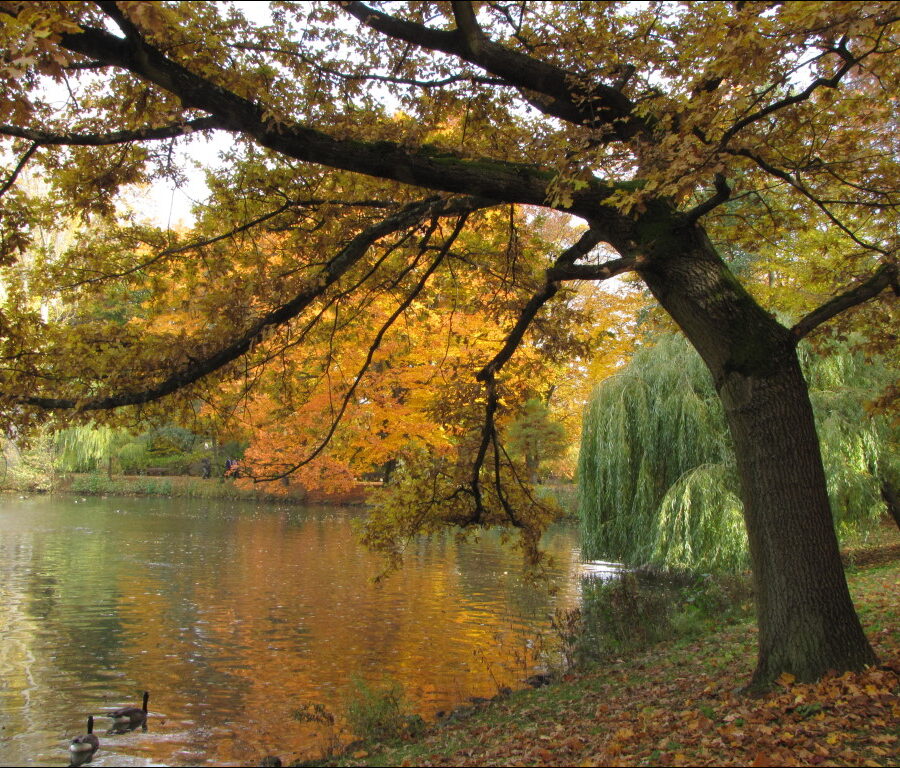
(129, 718)
(83, 747)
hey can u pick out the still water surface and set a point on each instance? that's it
(235, 616)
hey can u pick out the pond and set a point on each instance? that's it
(235, 617)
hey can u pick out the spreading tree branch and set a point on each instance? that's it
(338, 265)
(565, 261)
(373, 348)
(848, 62)
(797, 184)
(114, 137)
(204, 242)
(593, 271)
(487, 375)
(595, 105)
(368, 76)
(723, 192)
(886, 275)
(425, 167)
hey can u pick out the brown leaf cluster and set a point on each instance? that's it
(698, 720)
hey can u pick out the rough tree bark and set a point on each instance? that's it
(807, 624)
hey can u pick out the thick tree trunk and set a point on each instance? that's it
(807, 623)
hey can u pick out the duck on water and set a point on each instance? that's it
(129, 718)
(83, 747)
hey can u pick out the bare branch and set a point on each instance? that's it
(115, 137)
(23, 161)
(723, 192)
(886, 275)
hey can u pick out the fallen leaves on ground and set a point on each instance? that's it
(680, 704)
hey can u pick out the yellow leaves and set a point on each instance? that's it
(559, 193)
(149, 16)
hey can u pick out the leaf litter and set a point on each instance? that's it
(681, 703)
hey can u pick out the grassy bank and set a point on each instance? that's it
(678, 703)
(184, 486)
(199, 488)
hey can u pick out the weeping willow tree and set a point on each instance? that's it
(859, 449)
(656, 474)
(87, 447)
(81, 448)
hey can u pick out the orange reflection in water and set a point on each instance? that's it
(236, 619)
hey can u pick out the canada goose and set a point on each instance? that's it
(129, 718)
(83, 747)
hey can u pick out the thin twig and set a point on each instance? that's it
(23, 161)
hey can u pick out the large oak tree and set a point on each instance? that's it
(371, 132)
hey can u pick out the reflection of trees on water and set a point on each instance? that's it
(234, 621)
(487, 565)
(72, 605)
